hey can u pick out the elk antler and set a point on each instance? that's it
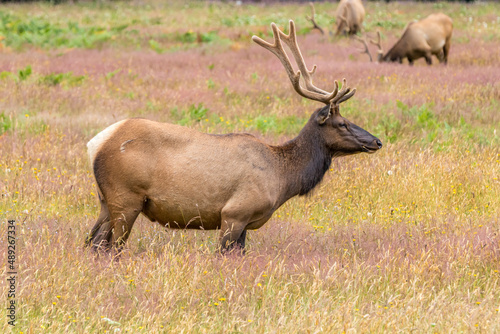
(377, 43)
(366, 50)
(311, 18)
(310, 92)
(343, 18)
(345, 93)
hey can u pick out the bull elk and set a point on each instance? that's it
(424, 38)
(185, 179)
(350, 15)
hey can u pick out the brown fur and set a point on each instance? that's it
(182, 178)
(350, 15)
(427, 37)
(185, 179)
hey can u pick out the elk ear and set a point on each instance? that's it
(324, 114)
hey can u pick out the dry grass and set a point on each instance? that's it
(403, 240)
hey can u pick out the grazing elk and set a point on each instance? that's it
(350, 15)
(185, 179)
(424, 38)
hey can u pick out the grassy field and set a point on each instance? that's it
(405, 240)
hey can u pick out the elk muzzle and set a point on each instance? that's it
(368, 142)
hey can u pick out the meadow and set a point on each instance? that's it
(404, 240)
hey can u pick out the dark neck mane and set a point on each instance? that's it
(305, 160)
(396, 48)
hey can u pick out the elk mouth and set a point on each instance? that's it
(369, 149)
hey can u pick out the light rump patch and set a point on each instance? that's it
(96, 143)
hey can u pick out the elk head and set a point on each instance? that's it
(340, 136)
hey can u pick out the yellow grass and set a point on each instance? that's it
(405, 240)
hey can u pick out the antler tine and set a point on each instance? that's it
(366, 50)
(377, 42)
(291, 41)
(343, 17)
(313, 21)
(345, 93)
(278, 51)
(311, 92)
(346, 97)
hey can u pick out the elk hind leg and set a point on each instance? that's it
(446, 51)
(428, 58)
(100, 235)
(122, 219)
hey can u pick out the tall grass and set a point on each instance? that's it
(403, 240)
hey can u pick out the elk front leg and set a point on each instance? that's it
(241, 240)
(234, 220)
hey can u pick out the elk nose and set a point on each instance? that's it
(379, 143)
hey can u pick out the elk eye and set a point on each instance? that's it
(342, 125)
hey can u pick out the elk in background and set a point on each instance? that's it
(350, 15)
(185, 179)
(424, 38)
